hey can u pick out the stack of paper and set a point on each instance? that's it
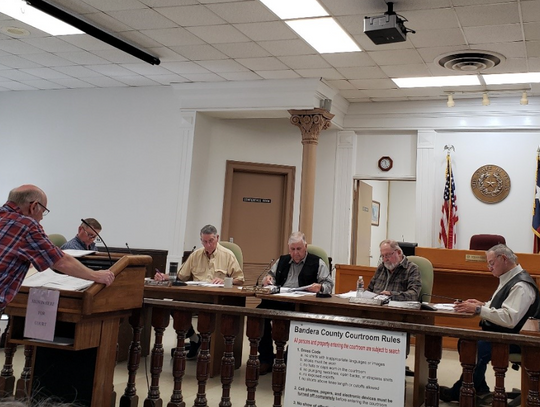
(51, 279)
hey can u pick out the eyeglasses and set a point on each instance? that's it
(45, 210)
(492, 262)
(91, 236)
(387, 255)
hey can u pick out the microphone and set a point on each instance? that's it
(130, 252)
(100, 238)
(266, 270)
(439, 296)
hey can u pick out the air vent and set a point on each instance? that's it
(470, 61)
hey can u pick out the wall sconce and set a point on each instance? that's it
(450, 102)
(485, 99)
(524, 100)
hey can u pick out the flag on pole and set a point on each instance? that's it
(536, 209)
(447, 235)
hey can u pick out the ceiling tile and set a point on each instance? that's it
(142, 19)
(275, 30)
(243, 12)
(288, 47)
(279, 74)
(267, 63)
(304, 61)
(190, 16)
(242, 50)
(219, 66)
(173, 37)
(218, 34)
(493, 34)
(493, 14)
(328, 73)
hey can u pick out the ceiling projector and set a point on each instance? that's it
(386, 29)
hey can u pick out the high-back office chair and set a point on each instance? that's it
(233, 247)
(426, 274)
(485, 241)
(57, 239)
(319, 251)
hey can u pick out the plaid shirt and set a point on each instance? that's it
(22, 241)
(404, 282)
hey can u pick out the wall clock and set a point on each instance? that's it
(385, 163)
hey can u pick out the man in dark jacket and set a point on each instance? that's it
(514, 301)
(296, 269)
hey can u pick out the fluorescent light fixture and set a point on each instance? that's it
(437, 81)
(19, 10)
(485, 99)
(91, 29)
(324, 34)
(509, 78)
(287, 9)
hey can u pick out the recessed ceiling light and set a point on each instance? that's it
(437, 81)
(287, 9)
(509, 78)
(19, 10)
(324, 34)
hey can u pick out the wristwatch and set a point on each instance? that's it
(478, 309)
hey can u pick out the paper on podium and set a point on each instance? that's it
(78, 253)
(50, 279)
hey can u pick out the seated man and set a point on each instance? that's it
(396, 276)
(514, 301)
(296, 269)
(85, 238)
(211, 263)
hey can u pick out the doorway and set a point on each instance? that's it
(257, 212)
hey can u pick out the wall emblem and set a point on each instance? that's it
(490, 184)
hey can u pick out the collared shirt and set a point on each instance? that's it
(222, 263)
(323, 275)
(514, 307)
(404, 282)
(22, 242)
(77, 244)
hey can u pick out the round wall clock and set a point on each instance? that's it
(385, 163)
(490, 184)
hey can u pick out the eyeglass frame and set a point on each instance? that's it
(90, 236)
(388, 255)
(45, 210)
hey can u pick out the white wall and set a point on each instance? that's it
(104, 153)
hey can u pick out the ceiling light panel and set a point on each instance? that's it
(437, 81)
(287, 9)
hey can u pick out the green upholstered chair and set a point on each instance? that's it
(426, 274)
(233, 247)
(319, 251)
(57, 239)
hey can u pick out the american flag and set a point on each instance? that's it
(536, 210)
(447, 235)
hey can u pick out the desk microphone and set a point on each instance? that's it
(130, 252)
(100, 238)
(266, 270)
(439, 296)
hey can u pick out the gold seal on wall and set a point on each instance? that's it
(490, 184)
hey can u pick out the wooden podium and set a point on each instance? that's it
(79, 364)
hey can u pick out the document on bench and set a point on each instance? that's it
(78, 253)
(51, 279)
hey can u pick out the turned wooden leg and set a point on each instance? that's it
(205, 325)
(230, 326)
(280, 335)
(433, 354)
(160, 321)
(499, 361)
(182, 323)
(467, 357)
(255, 328)
(130, 397)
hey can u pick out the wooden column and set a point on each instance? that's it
(311, 123)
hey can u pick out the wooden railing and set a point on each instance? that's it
(182, 312)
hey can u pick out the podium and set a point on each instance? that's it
(78, 365)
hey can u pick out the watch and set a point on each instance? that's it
(385, 163)
(478, 309)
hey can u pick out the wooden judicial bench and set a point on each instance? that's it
(81, 370)
(459, 274)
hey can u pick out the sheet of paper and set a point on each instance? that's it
(444, 307)
(78, 253)
(50, 279)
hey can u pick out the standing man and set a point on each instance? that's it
(211, 263)
(396, 276)
(85, 238)
(513, 302)
(296, 269)
(23, 242)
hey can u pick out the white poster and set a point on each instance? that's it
(330, 365)
(41, 312)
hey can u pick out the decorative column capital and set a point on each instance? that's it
(311, 123)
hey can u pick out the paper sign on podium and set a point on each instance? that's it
(41, 314)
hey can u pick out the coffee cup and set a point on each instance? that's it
(228, 282)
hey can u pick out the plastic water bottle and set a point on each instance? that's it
(359, 286)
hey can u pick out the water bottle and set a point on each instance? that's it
(173, 270)
(359, 286)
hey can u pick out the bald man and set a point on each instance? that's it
(23, 242)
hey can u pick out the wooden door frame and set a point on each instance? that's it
(260, 168)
